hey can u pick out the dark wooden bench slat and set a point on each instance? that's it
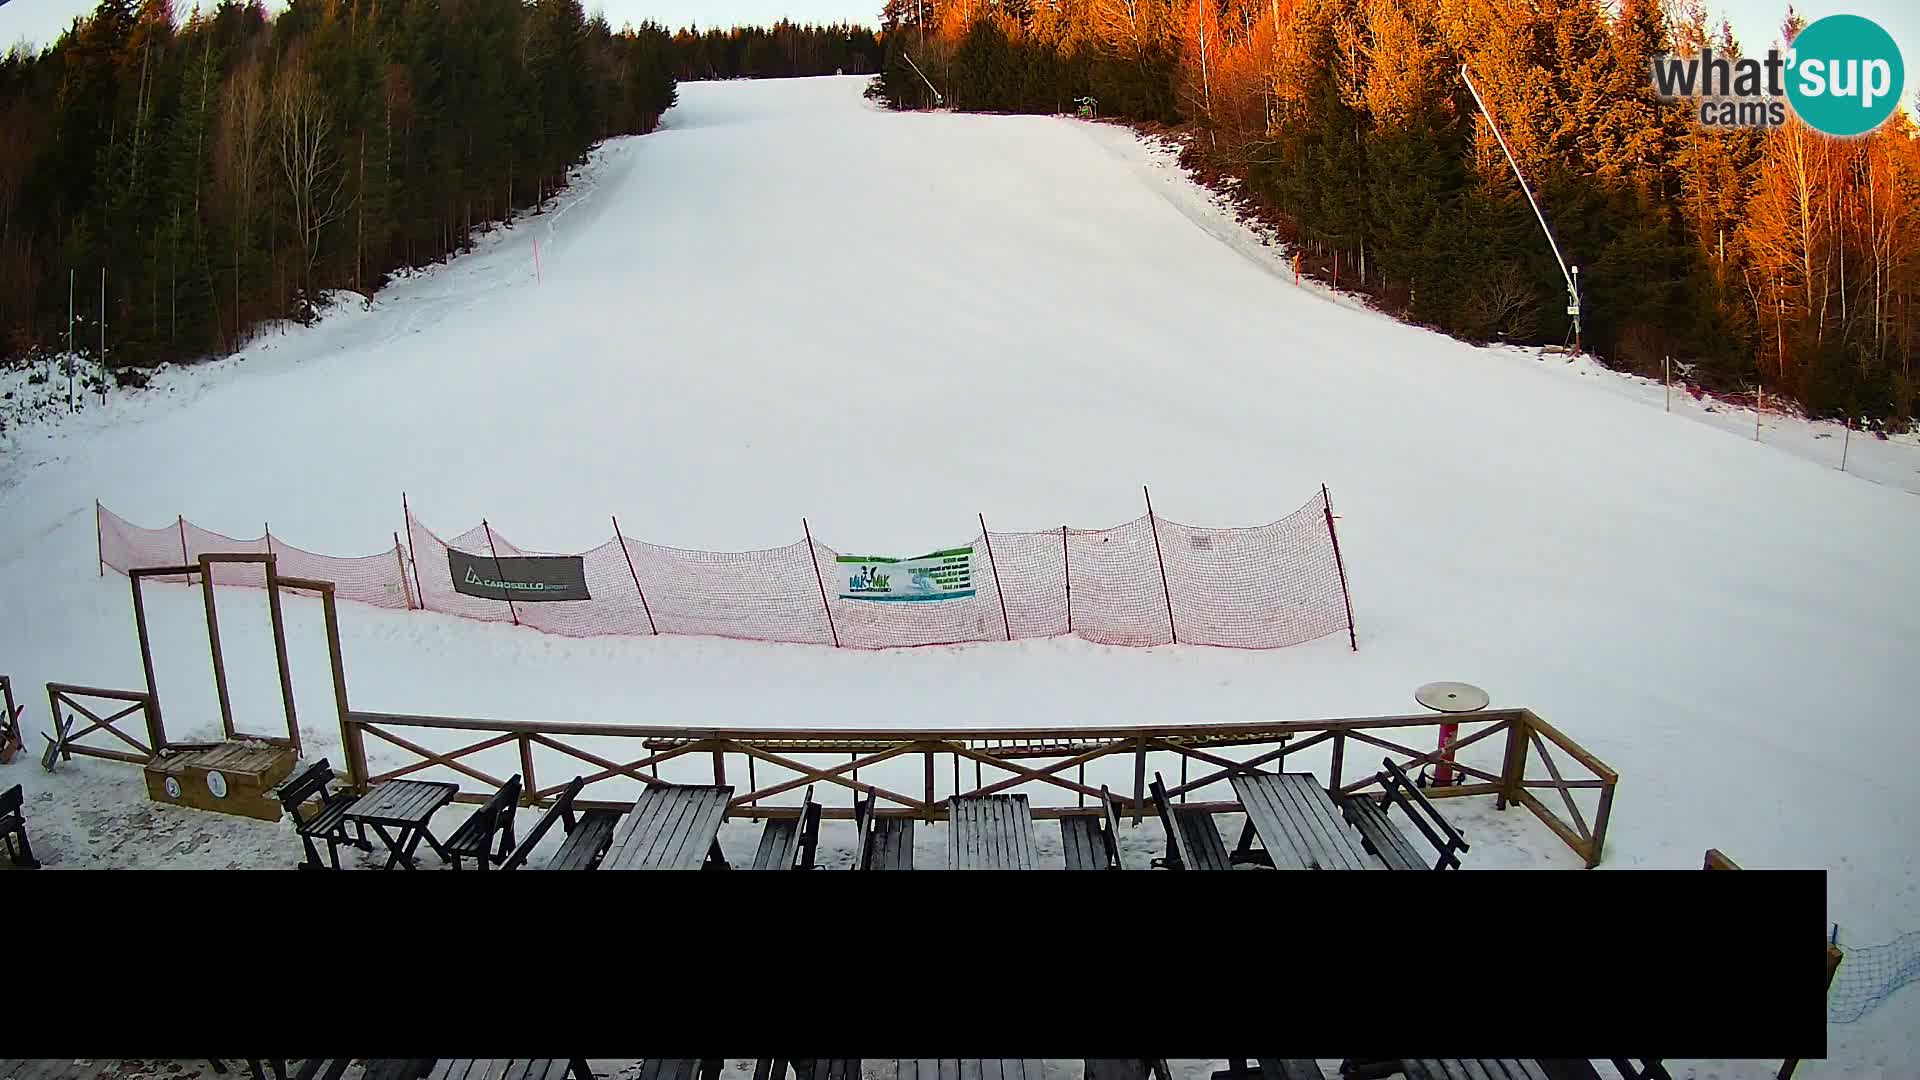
(893, 840)
(1080, 844)
(1336, 847)
(788, 843)
(1382, 836)
(588, 841)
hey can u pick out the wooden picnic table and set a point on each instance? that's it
(990, 832)
(408, 805)
(671, 827)
(1299, 825)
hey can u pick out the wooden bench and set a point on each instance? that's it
(1193, 842)
(589, 834)
(681, 1068)
(970, 1069)
(1272, 1069)
(501, 1069)
(474, 838)
(789, 843)
(1093, 843)
(329, 822)
(807, 1068)
(990, 832)
(377, 1068)
(1383, 839)
(1443, 1068)
(13, 828)
(885, 843)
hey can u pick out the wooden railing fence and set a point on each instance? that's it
(70, 696)
(1036, 761)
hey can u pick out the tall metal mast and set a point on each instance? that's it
(1570, 273)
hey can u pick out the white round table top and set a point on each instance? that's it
(1452, 697)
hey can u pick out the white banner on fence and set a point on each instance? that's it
(941, 575)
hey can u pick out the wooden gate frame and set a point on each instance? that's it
(147, 702)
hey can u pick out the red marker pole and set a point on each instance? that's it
(1443, 768)
(536, 260)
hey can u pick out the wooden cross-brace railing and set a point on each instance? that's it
(1032, 760)
(67, 696)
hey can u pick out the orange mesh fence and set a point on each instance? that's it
(373, 579)
(1149, 581)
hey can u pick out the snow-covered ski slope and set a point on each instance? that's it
(790, 303)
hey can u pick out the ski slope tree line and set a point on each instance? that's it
(233, 169)
(1784, 258)
(783, 50)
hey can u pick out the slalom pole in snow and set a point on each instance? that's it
(536, 260)
(1845, 443)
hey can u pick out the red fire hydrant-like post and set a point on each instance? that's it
(1449, 697)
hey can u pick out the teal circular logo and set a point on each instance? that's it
(1844, 75)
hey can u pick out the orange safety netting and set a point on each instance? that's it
(1147, 582)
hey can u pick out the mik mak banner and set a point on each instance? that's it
(943, 575)
(519, 578)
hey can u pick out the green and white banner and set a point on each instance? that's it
(941, 575)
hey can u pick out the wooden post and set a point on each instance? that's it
(278, 619)
(154, 724)
(1512, 765)
(497, 572)
(719, 767)
(1597, 846)
(528, 788)
(1326, 502)
(352, 739)
(1519, 742)
(1066, 571)
(1154, 524)
(59, 729)
(417, 591)
(213, 643)
(1005, 625)
(1339, 755)
(400, 557)
(1139, 779)
(814, 558)
(636, 577)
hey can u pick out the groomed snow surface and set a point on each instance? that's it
(790, 303)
